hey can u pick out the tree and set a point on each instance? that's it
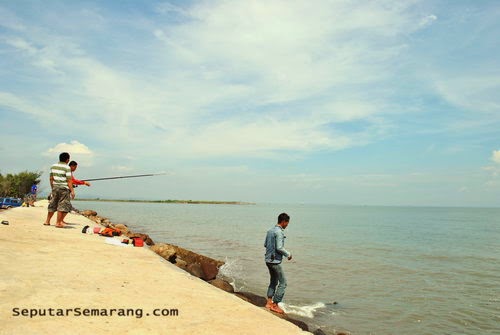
(18, 185)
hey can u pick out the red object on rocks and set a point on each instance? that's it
(137, 242)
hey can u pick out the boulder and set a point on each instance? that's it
(166, 251)
(195, 270)
(120, 227)
(209, 266)
(88, 213)
(222, 284)
(254, 299)
(181, 263)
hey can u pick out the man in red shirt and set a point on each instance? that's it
(73, 165)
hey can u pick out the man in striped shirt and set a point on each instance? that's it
(62, 191)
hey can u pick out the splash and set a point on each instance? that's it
(305, 311)
(232, 271)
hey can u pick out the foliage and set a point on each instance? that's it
(18, 185)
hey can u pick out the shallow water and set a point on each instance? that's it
(367, 270)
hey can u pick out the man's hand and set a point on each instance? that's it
(72, 194)
(290, 257)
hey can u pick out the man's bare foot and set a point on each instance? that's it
(277, 309)
(60, 225)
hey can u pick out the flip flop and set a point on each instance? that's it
(5, 222)
(46, 224)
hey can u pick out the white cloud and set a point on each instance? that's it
(21, 44)
(495, 157)
(19, 104)
(231, 78)
(472, 91)
(74, 147)
(428, 20)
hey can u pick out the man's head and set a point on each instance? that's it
(64, 157)
(283, 220)
(73, 165)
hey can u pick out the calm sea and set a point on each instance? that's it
(366, 270)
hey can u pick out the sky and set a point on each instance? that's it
(390, 103)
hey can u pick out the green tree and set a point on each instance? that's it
(18, 185)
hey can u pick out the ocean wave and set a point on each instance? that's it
(306, 311)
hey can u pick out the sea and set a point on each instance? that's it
(355, 269)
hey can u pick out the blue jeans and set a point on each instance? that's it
(277, 284)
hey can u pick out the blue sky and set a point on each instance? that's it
(344, 102)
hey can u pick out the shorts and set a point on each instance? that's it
(60, 200)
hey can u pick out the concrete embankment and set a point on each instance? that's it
(60, 281)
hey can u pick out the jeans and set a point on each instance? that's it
(277, 284)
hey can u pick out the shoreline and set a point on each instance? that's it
(64, 270)
(170, 201)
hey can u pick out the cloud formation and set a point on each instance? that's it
(352, 92)
(74, 147)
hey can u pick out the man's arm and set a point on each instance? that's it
(79, 182)
(280, 244)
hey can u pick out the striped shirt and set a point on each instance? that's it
(61, 173)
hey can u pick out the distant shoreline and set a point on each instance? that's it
(169, 201)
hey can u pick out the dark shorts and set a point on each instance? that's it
(60, 200)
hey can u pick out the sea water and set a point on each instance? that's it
(361, 269)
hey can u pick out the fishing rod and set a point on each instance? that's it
(132, 176)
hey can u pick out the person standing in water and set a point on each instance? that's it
(275, 251)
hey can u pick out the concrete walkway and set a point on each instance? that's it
(83, 285)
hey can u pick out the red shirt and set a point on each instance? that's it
(76, 181)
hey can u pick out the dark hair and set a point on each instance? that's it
(73, 163)
(283, 217)
(63, 157)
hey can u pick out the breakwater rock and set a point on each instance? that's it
(198, 265)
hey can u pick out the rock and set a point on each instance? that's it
(210, 270)
(88, 213)
(195, 270)
(166, 251)
(255, 299)
(181, 263)
(203, 267)
(120, 227)
(222, 284)
(319, 331)
(301, 324)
